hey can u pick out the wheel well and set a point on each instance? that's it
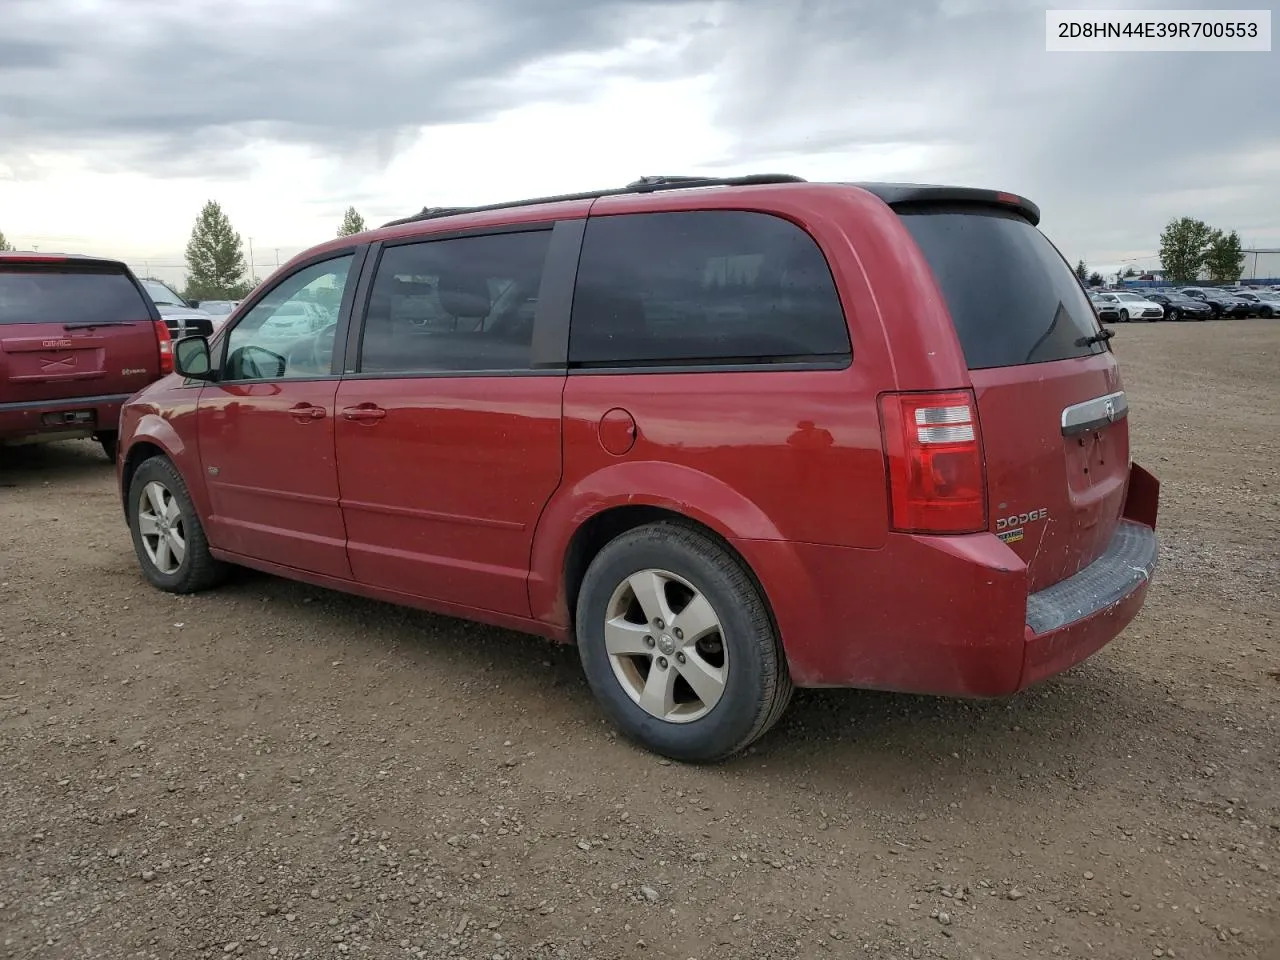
(138, 454)
(592, 537)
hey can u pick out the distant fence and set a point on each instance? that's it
(1250, 282)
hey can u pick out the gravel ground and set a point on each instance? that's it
(272, 770)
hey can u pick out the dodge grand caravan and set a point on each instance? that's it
(728, 436)
(77, 337)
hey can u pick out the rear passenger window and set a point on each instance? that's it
(68, 293)
(455, 306)
(1012, 298)
(720, 286)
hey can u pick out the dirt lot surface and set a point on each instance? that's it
(272, 770)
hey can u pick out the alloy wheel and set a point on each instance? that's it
(162, 528)
(665, 646)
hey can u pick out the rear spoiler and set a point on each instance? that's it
(911, 194)
(72, 259)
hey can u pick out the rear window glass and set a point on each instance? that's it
(43, 295)
(700, 287)
(1012, 297)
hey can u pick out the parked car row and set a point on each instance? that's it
(1186, 303)
(1266, 302)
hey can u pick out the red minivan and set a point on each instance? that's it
(729, 436)
(77, 337)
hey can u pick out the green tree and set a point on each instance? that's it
(1225, 259)
(1184, 243)
(1082, 271)
(215, 258)
(1130, 272)
(352, 222)
(1095, 279)
(4, 244)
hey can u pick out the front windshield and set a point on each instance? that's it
(161, 294)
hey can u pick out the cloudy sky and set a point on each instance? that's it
(119, 118)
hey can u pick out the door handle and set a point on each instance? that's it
(306, 412)
(364, 413)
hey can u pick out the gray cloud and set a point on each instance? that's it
(348, 75)
(1110, 145)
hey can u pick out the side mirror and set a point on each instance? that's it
(192, 358)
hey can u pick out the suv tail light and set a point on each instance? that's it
(165, 343)
(937, 475)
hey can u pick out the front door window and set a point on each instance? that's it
(290, 333)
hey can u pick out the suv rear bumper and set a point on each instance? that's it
(950, 616)
(29, 421)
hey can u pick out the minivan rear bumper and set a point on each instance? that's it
(1074, 619)
(51, 419)
(951, 616)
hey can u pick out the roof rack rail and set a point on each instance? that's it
(642, 185)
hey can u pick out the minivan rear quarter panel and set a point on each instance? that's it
(786, 455)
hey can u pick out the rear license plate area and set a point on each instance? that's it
(69, 418)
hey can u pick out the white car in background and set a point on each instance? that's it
(220, 310)
(295, 319)
(1133, 306)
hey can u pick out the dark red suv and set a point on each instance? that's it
(78, 336)
(730, 436)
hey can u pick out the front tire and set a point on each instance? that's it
(167, 535)
(1124, 316)
(678, 645)
(1173, 314)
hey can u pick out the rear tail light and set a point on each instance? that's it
(165, 343)
(937, 477)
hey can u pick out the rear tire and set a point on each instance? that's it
(109, 444)
(167, 535)
(678, 645)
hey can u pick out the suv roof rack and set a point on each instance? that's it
(642, 185)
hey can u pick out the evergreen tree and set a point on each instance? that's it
(4, 244)
(352, 222)
(215, 258)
